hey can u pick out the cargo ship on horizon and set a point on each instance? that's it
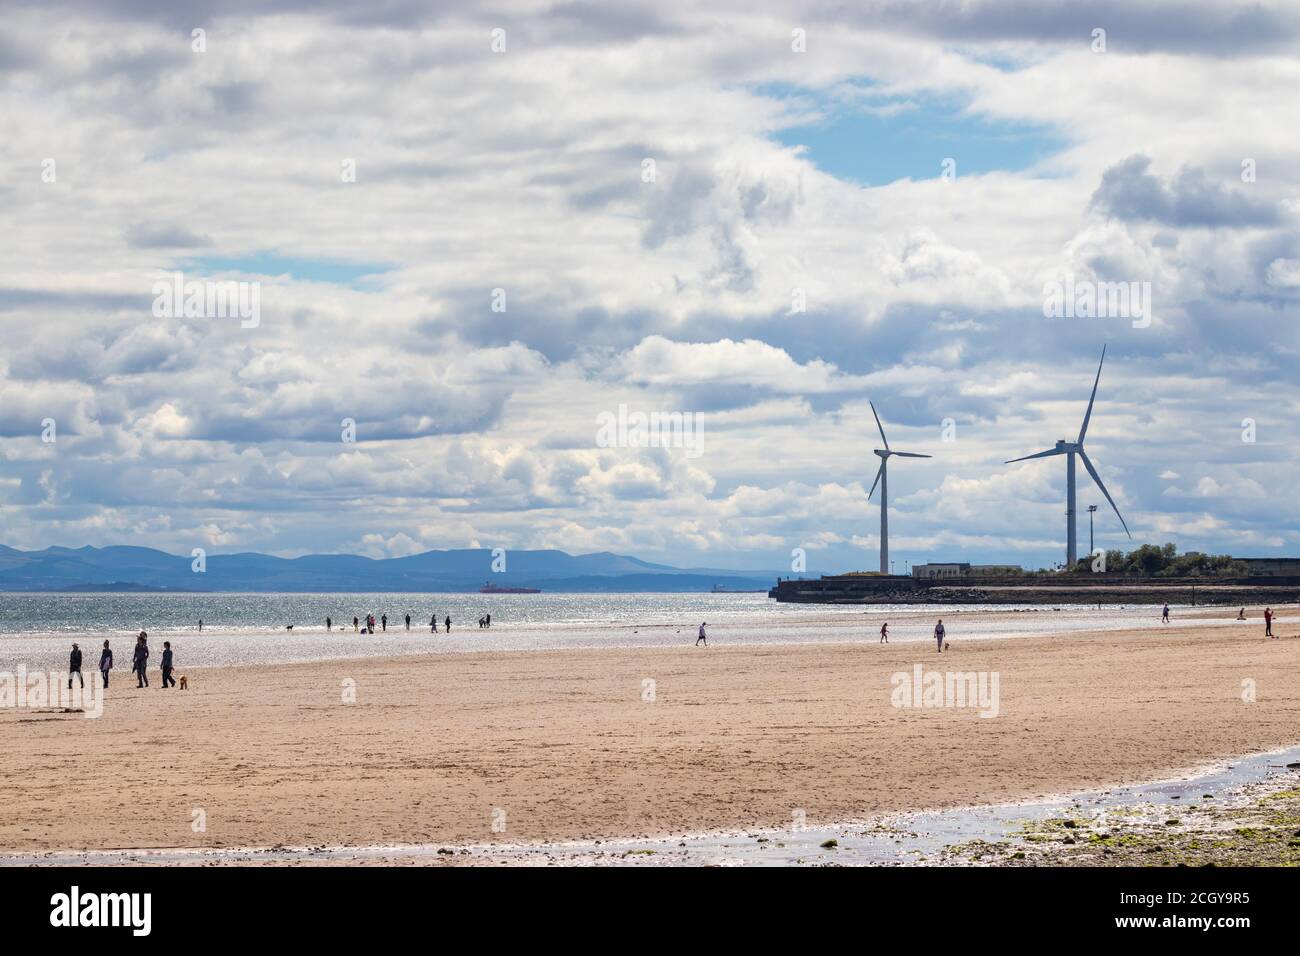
(490, 588)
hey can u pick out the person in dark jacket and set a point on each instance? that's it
(106, 662)
(140, 660)
(74, 666)
(447, 623)
(167, 666)
(433, 624)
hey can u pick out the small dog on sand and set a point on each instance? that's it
(288, 627)
(185, 682)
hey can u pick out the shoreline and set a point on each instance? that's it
(220, 648)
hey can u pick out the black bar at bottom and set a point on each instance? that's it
(205, 905)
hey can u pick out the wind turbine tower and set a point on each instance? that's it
(882, 479)
(1069, 450)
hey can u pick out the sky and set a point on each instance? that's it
(475, 229)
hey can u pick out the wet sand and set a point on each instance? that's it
(564, 744)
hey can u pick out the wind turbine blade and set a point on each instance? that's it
(880, 472)
(880, 426)
(1097, 478)
(910, 454)
(1041, 454)
(1088, 414)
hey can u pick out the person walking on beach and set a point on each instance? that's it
(447, 624)
(703, 637)
(884, 633)
(487, 620)
(384, 619)
(140, 660)
(433, 624)
(105, 662)
(200, 625)
(938, 635)
(354, 622)
(74, 666)
(1241, 615)
(328, 623)
(1268, 622)
(408, 622)
(167, 665)
(1164, 618)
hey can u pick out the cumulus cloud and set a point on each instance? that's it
(657, 361)
(1130, 191)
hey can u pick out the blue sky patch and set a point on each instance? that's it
(875, 140)
(270, 264)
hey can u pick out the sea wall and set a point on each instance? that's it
(896, 589)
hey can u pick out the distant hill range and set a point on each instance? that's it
(122, 568)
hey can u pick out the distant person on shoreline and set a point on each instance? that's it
(703, 637)
(488, 619)
(884, 633)
(384, 619)
(74, 666)
(433, 624)
(200, 625)
(1268, 622)
(105, 662)
(447, 624)
(1164, 617)
(328, 623)
(939, 633)
(140, 660)
(354, 622)
(167, 665)
(408, 622)
(1241, 615)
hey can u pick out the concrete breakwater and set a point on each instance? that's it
(1057, 589)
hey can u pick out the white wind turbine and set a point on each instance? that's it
(1070, 449)
(882, 479)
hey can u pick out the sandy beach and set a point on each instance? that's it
(472, 748)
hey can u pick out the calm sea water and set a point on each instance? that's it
(115, 613)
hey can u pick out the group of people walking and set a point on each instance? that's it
(139, 663)
(371, 623)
